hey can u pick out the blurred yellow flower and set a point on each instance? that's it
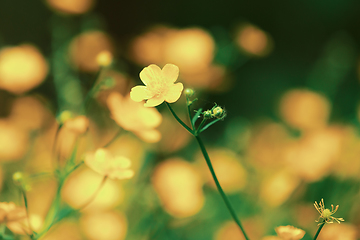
(289, 232)
(134, 117)
(159, 87)
(104, 225)
(227, 164)
(14, 217)
(14, 142)
(304, 109)
(85, 48)
(104, 163)
(32, 63)
(71, 6)
(79, 124)
(179, 187)
(340, 232)
(278, 187)
(82, 186)
(254, 41)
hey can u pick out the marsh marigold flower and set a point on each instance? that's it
(289, 232)
(326, 214)
(159, 87)
(104, 163)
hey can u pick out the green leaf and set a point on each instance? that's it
(196, 116)
(209, 124)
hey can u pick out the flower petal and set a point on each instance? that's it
(153, 102)
(170, 73)
(140, 93)
(174, 93)
(149, 117)
(150, 74)
(150, 136)
(121, 162)
(125, 174)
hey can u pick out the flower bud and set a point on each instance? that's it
(104, 58)
(64, 116)
(189, 92)
(218, 112)
(18, 178)
(207, 114)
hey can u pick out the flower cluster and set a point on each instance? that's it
(216, 112)
(104, 163)
(14, 217)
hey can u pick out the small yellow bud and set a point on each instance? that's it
(18, 177)
(189, 92)
(218, 112)
(207, 114)
(64, 116)
(104, 58)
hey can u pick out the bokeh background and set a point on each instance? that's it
(287, 73)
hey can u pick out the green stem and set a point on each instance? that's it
(112, 139)
(93, 90)
(189, 112)
(179, 120)
(52, 215)
(200, 126)
(207, 159)
(74, 168)
(27, 212)
(54, 153)
(223, 195)
(318, 231)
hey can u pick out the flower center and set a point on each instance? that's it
(326, 213)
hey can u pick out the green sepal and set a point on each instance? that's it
(196, 116)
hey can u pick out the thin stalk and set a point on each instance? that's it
(189, 112)
(94, 195)
(75, 167)
(54, 153)
(200, 126)
(223, 195)
(207, 159)
(27, 213)
(112, 139)
(179, 120)
(51, 217)
(93, 90)
(318, 231)
(84, 205)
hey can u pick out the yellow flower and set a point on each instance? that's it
(134, 117)
(326, 214)
(14, 217)
(289, 232)
(104, 163)
(159, 87)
